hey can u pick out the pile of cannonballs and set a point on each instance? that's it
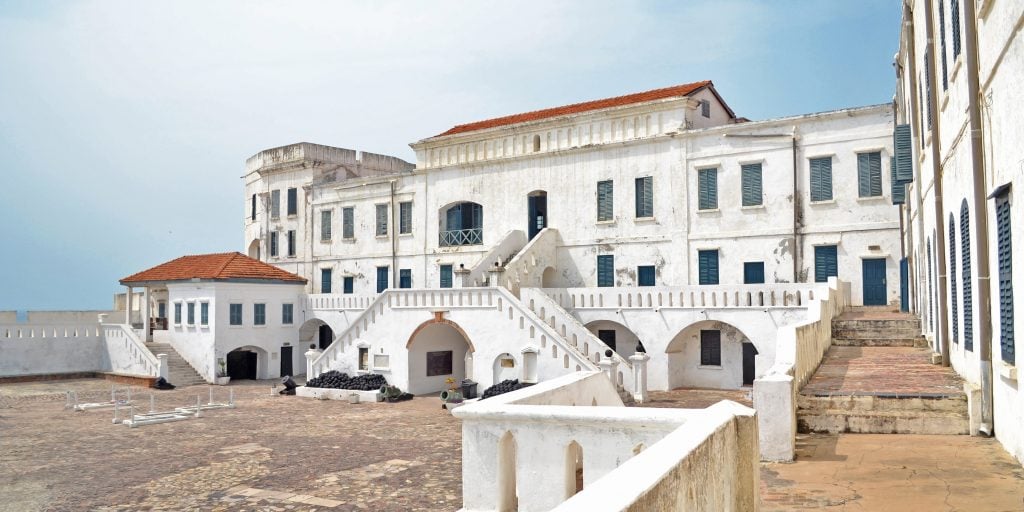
(337, 380)
(503, 387)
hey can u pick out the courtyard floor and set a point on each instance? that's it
(289, 453)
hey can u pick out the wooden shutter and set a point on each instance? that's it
(273, 243)
(293, 201)
(382, 279)
(325, 224)
(710, 348)
(965, 275)
(605, 195)
(645, 275)
(405, 217)
(952, 280)
(902, 147)
(869, 174)
(821, 179)
(253, 207)
(446, 276)
(1005, 270)
(605, 270)
(325, 280)
(405, 278)
(753, 272)
(954, 15)
(928, 88)
(348, 222)
(382, 219)
(825, 263)
(751, 178)
(707, 189)
(931, 287)
(898, 189)
(644, 197)
(275, 204)
(707, 267)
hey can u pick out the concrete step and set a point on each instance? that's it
(884, 414)
(910, 323)
(918, 341)
(180, 372)
(875, 333)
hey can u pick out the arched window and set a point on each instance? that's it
(965, 275)
(953, 293)
(573, 469)
(462, 225)
(536, 143)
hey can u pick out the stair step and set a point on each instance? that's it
(875, 333)
(924, 403)
(919, 342)
(884, 422)
(909, 323)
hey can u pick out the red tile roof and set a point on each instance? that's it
(222, 266)
(629, 99)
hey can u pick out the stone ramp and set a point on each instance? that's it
(180, 372)
(878, 378)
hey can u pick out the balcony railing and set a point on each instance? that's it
(462, 237)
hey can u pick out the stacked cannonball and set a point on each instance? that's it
(503, 387)
(338, 380)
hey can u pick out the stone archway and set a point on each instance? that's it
(315, 333)
(610, 331)
(706, 354)
(437, 350)
(247, 362)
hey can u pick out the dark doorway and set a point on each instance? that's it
(607, 336)
(749, 351)
(286, 361)
(874, 281)
(904, 286)
(242, 364)
(538, 212)
(326, 336)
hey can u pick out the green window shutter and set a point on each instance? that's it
(707, 189)
(928, 88)
(966, 275)
(325, 225)
(382, 219)
(821, 179)
(347, 222)
(382, 279)
(325, 280)
(952, 280)
(605, 270)
(869, 174)
(275, 204)
(645, 275)
(752, 189)
(707, 267)
(405, 218)
(446, 276)
(605, 197)
(644, 197)
(899, 190)
(753, 272)
(903, 153)
(826, 263)
(942, 44)
(954, 15)
(1005, 270)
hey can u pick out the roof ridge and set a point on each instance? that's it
(227, 261)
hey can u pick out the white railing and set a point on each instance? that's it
(498, 300)
(503, 251)
(532, 444)
(128, 354)
(527, 267)
(49, 331)
(336, 301)
(708, 296)
(798, 353)
(574, 332)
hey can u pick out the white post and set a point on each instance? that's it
(165, 369)
(462, 275)
(776, 417)
(639, 360)
(609, 366)
(145, 314)
(128, 307)
(311, 356)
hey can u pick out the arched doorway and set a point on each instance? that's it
(537, 206)
(437, 352)
(315, 333)
(617, 336)
(254, 249)
(247, 363)
(710, 354)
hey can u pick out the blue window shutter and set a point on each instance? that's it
(645, 275)
(954, 15)
(1005, 270)
(644, 199)
(869, 174)
(325, 224)
(382, 220)
(348, 222)
(899, 190)
(928, 88)
(446, 276)
(254, 207)
(902, 147)
(707, 267)
(752, 189)
(605, 198)
(605, 270)
(966, 275)
(325, 280)
(710, 347)
(382, 279)
(826, 263)
(347, 284)
(821, 179)
(707, 189)
(293, 201)
(942, 44)
(952, 280)
(753, 272)
(405, 278)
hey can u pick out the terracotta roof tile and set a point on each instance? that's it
(222, 266)
(629, 99)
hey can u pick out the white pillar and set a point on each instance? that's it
(128, 307)
(165, 370)
(639, 360)
(609, 366)
(462, 277)
(145, 314)
(311, 356)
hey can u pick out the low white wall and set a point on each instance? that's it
(27, 349)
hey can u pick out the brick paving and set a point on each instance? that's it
(698, 398)
(904, 371)
(270, 453)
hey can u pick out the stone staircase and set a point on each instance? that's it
(180, 372)
(878, 377)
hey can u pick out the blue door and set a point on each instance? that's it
(905, 289)
(382, 279)
(874, 281)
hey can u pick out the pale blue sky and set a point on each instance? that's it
(125, 125)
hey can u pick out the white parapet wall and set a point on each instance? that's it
(532, 449)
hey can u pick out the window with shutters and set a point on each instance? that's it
(899, 190)
(405, 278)
(707, 266)
(826, 263)
(645, 275)
(287, 314)
(605, 270)
(291, 242)
(869, 174)
(707, 189)
(605, 201)
(751, 184)
(382, 220)
(821, 179)
(405, 218)
(644, 197)
(710, 347)
(325, 280)
(259, 314)
(942, 44)
(253, 208)
(293, 201)
(382, 279)
(966, 274)
(325, 225)
(753, 272)
(273, 243)
(1005, 271)
(446, 276)
(953, 292)
(275, 204)
(235, 314)
(705, 108)
(348, 230)
(954, 18)
(348, 284)
(903, 152)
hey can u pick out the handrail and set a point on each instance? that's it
(459, 237)
(335, 301)
(701, 296)
(136, 348)
(533, 296)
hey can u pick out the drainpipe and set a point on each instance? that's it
(940, 231)
(797, 214)
(981, 218)
(394, 238)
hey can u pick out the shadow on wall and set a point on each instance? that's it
(709, 354)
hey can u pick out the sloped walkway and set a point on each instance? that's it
(903, 371)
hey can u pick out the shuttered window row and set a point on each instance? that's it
(953, 292)
(869, 174)
(707, 189)
(821, 179)
(942, 44)
(965, 275)
(645, 197)
(1005, 270)
(707, 266)
(751, 184)
(605, 200)
(826, 263)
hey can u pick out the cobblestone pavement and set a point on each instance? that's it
(269, 453)
(894, 472)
